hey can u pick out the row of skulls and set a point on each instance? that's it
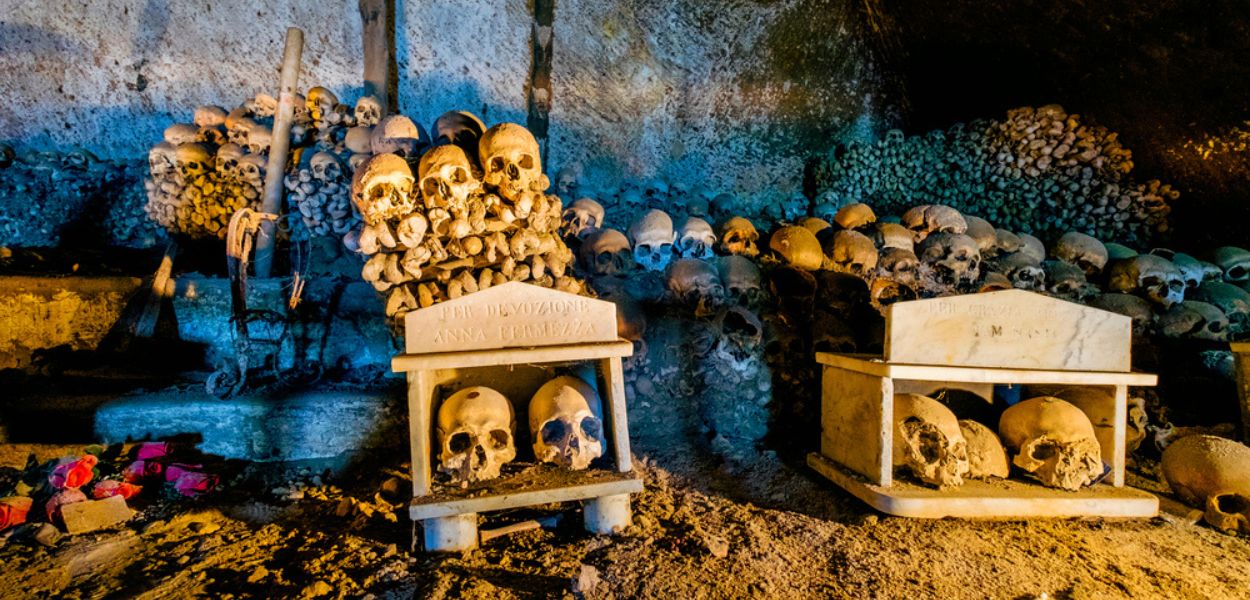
(476, 429)
(475, 215)
(1061, 441)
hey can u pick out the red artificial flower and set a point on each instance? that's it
(13, 511)
(74, 473)
(65, 496)
(111, 487)
(192, 483)
(141, 469)
(151, 450)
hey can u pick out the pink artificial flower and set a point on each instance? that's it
(65, 496)
(141, 469)
(112, 487)
(176, 470)
(13, 511)
(151, 450)
(192, 483)
(74, 473)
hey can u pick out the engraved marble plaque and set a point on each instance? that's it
(512, 315)
(1008, 329)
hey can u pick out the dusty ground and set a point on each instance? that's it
(763, 529)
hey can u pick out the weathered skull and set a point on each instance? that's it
(1007, 242)
(741, 280)
(192, 160)
(460, 128)
(1190, 268)
(446, 178)
(892, 235)
(382, 189)
(1234, 261)
(1083, 251)
(227, 158)
(931, 218)
(259, 138)
(263, 105)
(739, 339)
(696, 284)
(511, 162)
(797, 247)
(182, 133)
(738, 236)
(1118, 251)
(566, 179)
(722, 206)
(1023, 270)
(1233, 301)
(695, 239)
(850, 251)
(928, 441)
(652, 236)
(1137, 309)
(1195, 320)
(398, 135)
(326, 167)
(475, 435)
(986, 455)
(565, 422)
(368, 111)
(581, 218)
(898, 265)
(980, 230)
(814, 225)
(1150, 276)
(606, 252)
(252, 170)
(1052, 440)
(1065, 280)
(209, 116)
(1032, 247)
(1099, 405)
(954, 257)
(855, 216)
(1211, 271)
(162, 160)
(320, 103)
(1213, 473)
(357, 140)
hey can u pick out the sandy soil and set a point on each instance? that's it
(703, 529)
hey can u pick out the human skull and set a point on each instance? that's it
(1083, 251)
(695, 239)
(1234, 261)
(954, 257)
(252, 170)
(368, 111)
(652, 236)
(928, 441)
(564, 420)
(849, 251)
(1099, 405)
(357, 140)
(814, 225)
(1137, 309)
(892, 235)
(1212, 473)
(1053, 440)
(382, 189)
(192, 160)
(475, 428)
(460, 128)
(263, 105)
(182, 133)
(511, 162)
(738, 236)
(1032, 247)
(855, 216)
(326, 167)
(1007, 242)
(797, 247)
(980, 230)
(741, 279)
(739, 339)
(320, 103)
(209, 116)
(1150, 276)
(398, 135)
(1233, 301)
(696, 284)
(581, 218)
(446, 178)
(1065, 280)
(259, 138)
(1025, 272)
(898, 265)
(986, 455)
(931, 218)
(162, 160)
(227, 158)
(566, 179)
(1191, 269)
(606, 252)
(1194, 320)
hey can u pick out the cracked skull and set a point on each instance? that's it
(931, 218)
(475, 427)
(1212, 473)
(564, 420)
(928, 441)
(1053, 440)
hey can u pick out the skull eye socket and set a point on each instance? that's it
(460, 443)
(1044, 451)
(499, 439)
(1232, 503)
(591, 428)
(554, 431)
(526, 162)
(665, 248)
(1236, 272)
(429, 186)
(497, 163)
(458, 175)
(1176, 285)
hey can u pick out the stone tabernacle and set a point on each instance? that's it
(624, 299)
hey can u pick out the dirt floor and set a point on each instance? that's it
(702, 529)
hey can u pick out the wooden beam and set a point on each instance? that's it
(380, 77)
(275, 171)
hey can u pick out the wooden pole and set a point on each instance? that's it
(276, 169)
(375, 18)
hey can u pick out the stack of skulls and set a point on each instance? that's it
(475, 215)
(1040, 171)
